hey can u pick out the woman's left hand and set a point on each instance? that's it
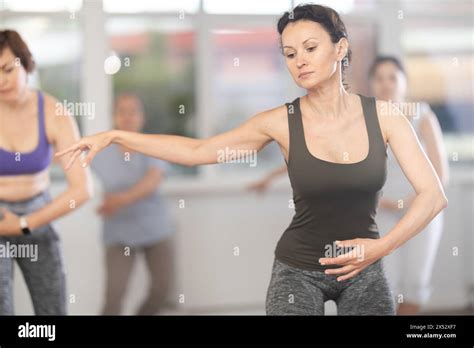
(365, 252)
(112, 203)
(9, 224)
(93, 144)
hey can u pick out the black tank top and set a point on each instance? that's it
(332, 201)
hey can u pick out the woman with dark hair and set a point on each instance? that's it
(334, 144)
(32, 126)
(409, 268)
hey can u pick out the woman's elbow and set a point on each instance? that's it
(190, 163)
(88, 192)
(445, 179)
(442, 201)
(83, 194)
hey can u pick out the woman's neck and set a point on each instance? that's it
(328, 101)
(23, 99)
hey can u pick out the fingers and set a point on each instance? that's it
(340, 270)
(349, 275)
(260, 189)
(5, 211)
(250, 187)
(105, 211)
(92, 152)
(73, 158)
(71, 148)
(346, 271)
(257, 187)
(348, 256)
(77, 149)
(340, 260)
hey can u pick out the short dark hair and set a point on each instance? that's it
(13, 40)
(328, 18)
(384, 59)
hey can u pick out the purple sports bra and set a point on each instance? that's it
(18, 163)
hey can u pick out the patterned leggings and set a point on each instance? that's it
(40, 259)
(294, 291)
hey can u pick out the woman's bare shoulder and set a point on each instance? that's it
(273, 121)
(59, 122)
(389, 116)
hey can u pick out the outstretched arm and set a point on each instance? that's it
(252, 135)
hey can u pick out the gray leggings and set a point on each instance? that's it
(40, 260)
(295, 291)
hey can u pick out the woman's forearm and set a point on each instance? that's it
(275, 173)
(279, 171)
(61, 205)
(423, 209)
(142, 189)
(170, 148)
(408, 200)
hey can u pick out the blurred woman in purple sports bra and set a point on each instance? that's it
(32, 126)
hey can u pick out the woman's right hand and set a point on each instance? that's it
(93, 144)
(388, 204)
(260, 186)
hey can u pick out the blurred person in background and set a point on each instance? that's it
(409, 269)
(135, 216)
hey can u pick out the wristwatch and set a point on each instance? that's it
(24, 225)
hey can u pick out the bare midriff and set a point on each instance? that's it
(21, 187)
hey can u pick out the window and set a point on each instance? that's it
(440, 51)
(158, 65)
(56, 47)
(41, 6)
(249, 76)
(136, 6)
(246, 6)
